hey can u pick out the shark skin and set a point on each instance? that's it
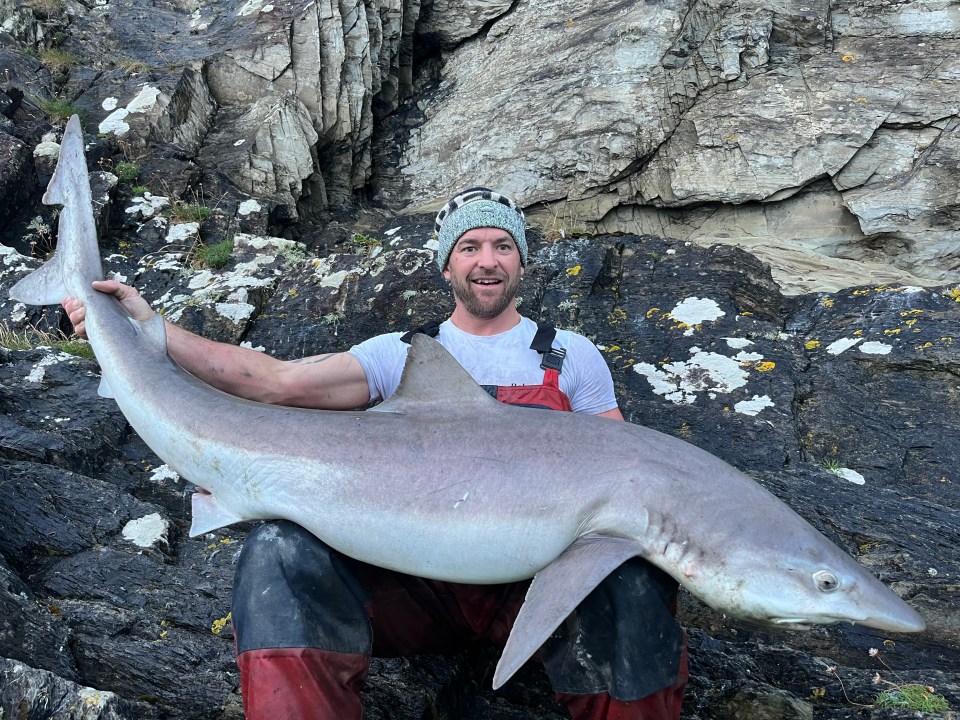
(441, 481)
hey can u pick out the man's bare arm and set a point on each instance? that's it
(333, 382)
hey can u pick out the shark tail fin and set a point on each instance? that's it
(71, 163)
(44, 286)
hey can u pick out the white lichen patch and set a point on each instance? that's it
(851, 476)
(47, 148)
(183, 231)
(248, 207)
(754, 405)
(432, 244)
(251, 7)
(147, 531)
(235, 312)
(842, 345)
(39, 371)
(704, 372)
(147, 206)
(164, 472)
(94, 699)
(116, 123)
(392, 231)
(110, 104)
(735, 343)
(876, 348)
(694, 311)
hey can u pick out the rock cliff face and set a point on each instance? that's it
(304, 142)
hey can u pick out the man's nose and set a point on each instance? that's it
(487, 257)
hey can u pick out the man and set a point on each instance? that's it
(307, 619)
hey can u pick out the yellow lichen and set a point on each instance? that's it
(848, 58)
(812, 344)
(892, 331)
(764, 366)
(219, 625)
(651, 312)
(617, 316)
(827, 302)
(574, 271)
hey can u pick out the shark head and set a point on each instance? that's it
(796, 590)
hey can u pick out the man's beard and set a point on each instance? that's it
(485, 309)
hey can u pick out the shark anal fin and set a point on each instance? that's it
(556, 591)
(209, 514)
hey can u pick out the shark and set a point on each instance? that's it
(444, 482)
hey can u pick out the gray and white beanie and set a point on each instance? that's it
(476, 208)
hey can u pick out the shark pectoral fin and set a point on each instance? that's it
(556, 591)
(209, 514)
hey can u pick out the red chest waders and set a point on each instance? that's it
(307, 620)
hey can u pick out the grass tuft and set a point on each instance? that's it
(31, 337)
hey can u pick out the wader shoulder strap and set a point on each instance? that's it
(431, 328)
(543, 344)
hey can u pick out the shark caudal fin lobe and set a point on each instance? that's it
(70, 182)
(44, 286)
(77, 257)
(555, 593)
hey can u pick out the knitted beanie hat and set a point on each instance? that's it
(476, 208)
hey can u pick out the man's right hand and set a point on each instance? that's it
(136, 306)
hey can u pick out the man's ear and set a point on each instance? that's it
(446, 272)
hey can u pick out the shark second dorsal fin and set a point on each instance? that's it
(431, 376)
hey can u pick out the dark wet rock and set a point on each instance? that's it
(701, 344)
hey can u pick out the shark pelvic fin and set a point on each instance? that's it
(555, 593)
(209, 514)
(103, 390)
(431, 375)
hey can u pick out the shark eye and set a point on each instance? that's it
(826, 581)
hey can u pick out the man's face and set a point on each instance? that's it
(484, 271)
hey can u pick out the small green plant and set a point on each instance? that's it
(56, 110)
(364, 240)
(47, 8)
(32, 337)
(831, 464)
(213, 256)
(126, 171)
(131, 65)
(188, 212)
(139, 189)
(912, 697)
(58, 59)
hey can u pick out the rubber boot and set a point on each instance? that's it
(662, 705)
(301, 684)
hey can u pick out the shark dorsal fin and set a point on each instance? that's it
(431, 376)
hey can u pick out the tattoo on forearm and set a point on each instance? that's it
(314, 359)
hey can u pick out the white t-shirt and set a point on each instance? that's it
(504, 359)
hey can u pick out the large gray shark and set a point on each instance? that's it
(442, 481)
